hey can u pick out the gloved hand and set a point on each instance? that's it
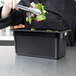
(8, 5)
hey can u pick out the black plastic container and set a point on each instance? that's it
(45, 44)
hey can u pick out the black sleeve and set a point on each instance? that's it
(52, 21)
(15, 18)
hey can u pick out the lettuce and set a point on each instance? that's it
(38, 18)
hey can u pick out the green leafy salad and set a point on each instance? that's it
(37, 18)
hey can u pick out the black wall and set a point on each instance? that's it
(75, 23)
(69, 17)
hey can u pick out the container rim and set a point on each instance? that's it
(42, 31)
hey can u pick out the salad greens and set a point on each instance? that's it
(37, 18)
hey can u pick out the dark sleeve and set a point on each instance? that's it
(15, 18)
(52, 21)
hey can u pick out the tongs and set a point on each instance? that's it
(33, 10)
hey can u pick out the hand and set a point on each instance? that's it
(10, 4)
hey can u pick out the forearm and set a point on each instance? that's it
(5, 11)
(14, 18)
